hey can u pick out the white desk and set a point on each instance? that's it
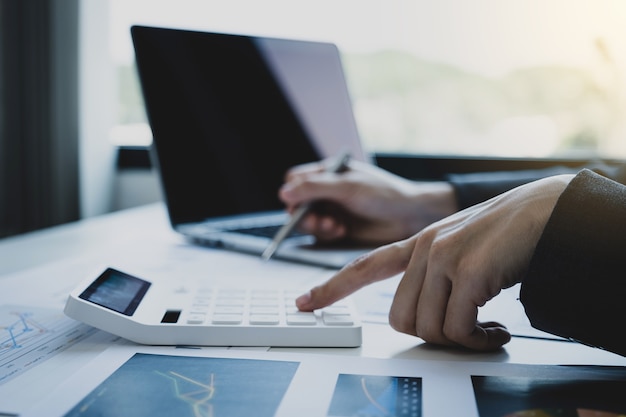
(39, 268)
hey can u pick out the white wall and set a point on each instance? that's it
(97, 107)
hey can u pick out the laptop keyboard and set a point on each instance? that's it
(263, 231)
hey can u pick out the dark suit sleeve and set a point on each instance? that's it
(474, 188)
(576, 283)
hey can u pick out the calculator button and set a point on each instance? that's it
(264, 319)
(264, 293)
(201, 302)
(198, 310)
(337, 319)
(195, 319)
(264, 302)
(228, 310)
(264, 310)
(337, 309)
(230, 302)
(226, 293)
(292, 309)
(307, 319)
(227, 319)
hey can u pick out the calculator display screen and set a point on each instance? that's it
(116, 291)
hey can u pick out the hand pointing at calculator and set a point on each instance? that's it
(450, 267)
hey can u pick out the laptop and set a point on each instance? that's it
(230, 114)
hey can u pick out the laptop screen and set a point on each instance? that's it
(230, 114)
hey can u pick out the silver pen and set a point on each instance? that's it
(340, 164)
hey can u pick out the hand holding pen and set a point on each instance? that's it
(340, 164)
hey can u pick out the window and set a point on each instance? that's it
(508, 78)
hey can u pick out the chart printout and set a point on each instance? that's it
(31, 335)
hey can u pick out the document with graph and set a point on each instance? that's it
(149, 381)
(31, 335)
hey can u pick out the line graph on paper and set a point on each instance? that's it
(190, 386)
(30, 335)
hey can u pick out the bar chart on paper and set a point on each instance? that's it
(30, 335)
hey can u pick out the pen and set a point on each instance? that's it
(340, 164)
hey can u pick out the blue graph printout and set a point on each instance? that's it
(376, 396)
(30, 335)
(150, 385)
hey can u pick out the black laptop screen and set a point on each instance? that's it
(224, 132)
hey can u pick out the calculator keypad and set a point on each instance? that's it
(260, 307)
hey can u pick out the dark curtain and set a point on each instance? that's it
(38, 114)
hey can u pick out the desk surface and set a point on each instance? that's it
(39, 268)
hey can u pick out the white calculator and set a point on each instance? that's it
(156, 313)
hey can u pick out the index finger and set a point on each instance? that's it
(381, 263)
